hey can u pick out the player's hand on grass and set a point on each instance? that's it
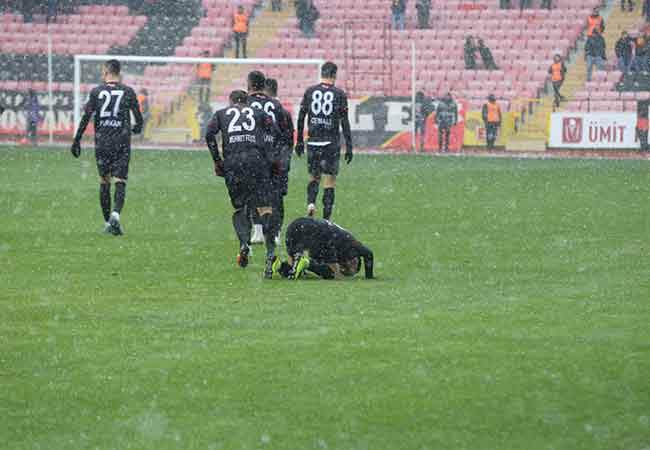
(348, 155)
(218, 168)
(300, 149)
(76, 149)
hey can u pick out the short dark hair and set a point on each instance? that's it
(238, 97)
(329, 70)
(113, 66)
(256, 80)
(271, 86)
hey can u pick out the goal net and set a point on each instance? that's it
(178, 95)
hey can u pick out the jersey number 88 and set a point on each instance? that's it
(322, 103)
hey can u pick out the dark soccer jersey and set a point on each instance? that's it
(246, 133)
(280, 116)
(324, 240)
(326, 108)
(112, 105)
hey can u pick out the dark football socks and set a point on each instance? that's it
(120, 195)
(268, 226)
(312, 192)
(241, 221)
(328, 203)
(105, 200)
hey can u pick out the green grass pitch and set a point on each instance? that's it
(511, 311)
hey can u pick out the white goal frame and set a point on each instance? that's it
(78, 59)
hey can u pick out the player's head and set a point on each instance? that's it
(238, 97)
(111, 68)
(256, 81)
(271, 87)
(351, 267)
(328, 71)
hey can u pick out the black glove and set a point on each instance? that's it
(137, 129)
(300, 149)
(218, 168)
(348, 155)
(75, 149)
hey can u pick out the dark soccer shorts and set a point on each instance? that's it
(113, 160)
(323, 159)
(249, 185)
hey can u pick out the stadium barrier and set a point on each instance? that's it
(604, 130)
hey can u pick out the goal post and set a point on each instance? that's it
(177, 98)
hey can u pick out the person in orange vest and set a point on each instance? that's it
(492, 119)
(557, 72)
(143, 101)
(204, 77)
(595, 21)
(240, 28)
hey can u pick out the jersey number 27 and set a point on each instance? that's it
(107, 96)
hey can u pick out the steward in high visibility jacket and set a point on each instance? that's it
(595, 20)
(557, 72)
(240, 29)
(642, 123)
(492, 119)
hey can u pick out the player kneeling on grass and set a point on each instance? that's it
(112, 104)
(333, 251)
(248, 136)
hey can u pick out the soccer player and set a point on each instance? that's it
(333, 251)
(285, 147)
(326, 108)
(246, 167)
(112, 104)
(257, 98)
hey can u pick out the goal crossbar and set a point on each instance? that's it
(78, 59)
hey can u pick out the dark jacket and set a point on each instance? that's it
(468, 53)
(623, 48)
(446, 113)
(486, 56)
(595, 46)
(398, 6)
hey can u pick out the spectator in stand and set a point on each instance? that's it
(491, 113)
(630, 5)
(646, 10)
(546, 4)
(639, 62)
(423, 8)
(486, 56)
(595, 22)
(505, 4)
(276, 5)
(307, 14)
(33, 116)
(446, 118)
(204, 79)
(143, 101)
(240, 29)
(469, 53)
(623, 51)
(595, 52)
(525, 4)
(52, 9)
(398, 8)
(557, 72)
